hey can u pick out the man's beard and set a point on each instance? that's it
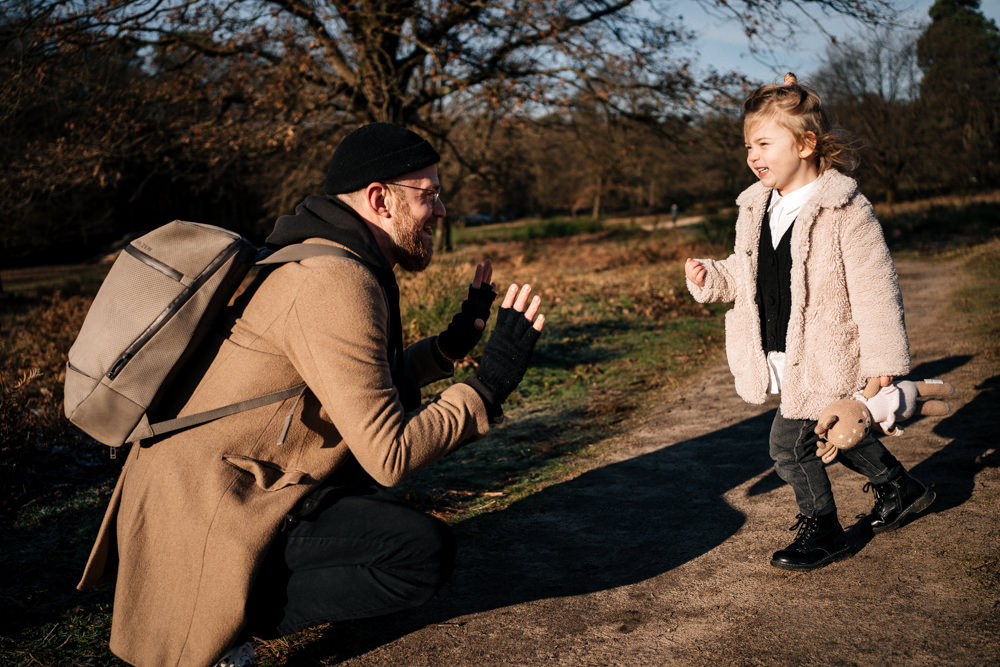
(413, 253)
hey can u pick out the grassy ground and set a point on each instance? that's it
(619, 322)
(981, 304)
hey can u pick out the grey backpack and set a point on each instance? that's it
(160, 298)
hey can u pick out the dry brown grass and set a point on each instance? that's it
(38, 332)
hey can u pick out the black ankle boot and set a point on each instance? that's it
(895, 500)
(820, 541)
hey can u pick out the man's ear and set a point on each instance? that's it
(375, 199)
(807, 146)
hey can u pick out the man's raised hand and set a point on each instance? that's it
(466, 328)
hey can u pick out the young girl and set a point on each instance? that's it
(817, 311)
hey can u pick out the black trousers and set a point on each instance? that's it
(793, 449)
(362, 552)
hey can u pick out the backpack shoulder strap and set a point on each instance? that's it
(299, 251)
(179, 423)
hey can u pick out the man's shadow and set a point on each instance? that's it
(609, 527)
(640, 518)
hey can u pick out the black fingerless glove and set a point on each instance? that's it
(505, 359)
(462, 335)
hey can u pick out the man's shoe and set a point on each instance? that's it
(819, 542)
(895, 500)
(237, 656)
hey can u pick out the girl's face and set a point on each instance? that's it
(778, 159)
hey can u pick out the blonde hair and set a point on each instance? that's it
(799, 109)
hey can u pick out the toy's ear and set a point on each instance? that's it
(825, 423)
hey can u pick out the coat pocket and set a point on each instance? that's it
(267, 475)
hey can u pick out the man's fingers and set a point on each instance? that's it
(517, 298)
(508, 299)
(522, 298)
(484, 274)
(487, 272)
(479, 324)
(533, 308)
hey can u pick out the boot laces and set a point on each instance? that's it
(806, 526)
(883, 496)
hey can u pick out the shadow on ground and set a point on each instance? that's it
(639, 518)
(972, 432)
(610, 527)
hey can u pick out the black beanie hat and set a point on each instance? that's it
(376, 152)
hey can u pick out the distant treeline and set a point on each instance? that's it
(119, 115)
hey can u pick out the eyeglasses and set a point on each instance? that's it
(435, 195)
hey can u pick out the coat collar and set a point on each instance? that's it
(833, 190)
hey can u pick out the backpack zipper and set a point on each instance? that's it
(174, 305)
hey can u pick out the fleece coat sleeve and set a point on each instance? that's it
(721, 285)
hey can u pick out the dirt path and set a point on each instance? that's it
(660, 553)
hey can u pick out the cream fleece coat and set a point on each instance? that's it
(192, 515)
(846, 321)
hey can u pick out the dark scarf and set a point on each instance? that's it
(331, 219)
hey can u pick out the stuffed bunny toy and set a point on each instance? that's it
(846, 422)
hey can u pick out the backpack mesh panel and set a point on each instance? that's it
(179, 247)
(121, 312)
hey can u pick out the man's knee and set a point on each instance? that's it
(428, 553)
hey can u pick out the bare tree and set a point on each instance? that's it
(257, 92)
(873, 88)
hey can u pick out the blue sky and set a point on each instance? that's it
(723, 44)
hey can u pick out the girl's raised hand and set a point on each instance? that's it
(695, 271)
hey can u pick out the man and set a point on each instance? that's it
(275, 519)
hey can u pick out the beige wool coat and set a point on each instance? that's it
(192, 514)
(846, 322)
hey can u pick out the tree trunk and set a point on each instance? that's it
(443, 240)
(599, 186)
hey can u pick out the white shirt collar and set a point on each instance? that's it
(784, 210)
(793, 200)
